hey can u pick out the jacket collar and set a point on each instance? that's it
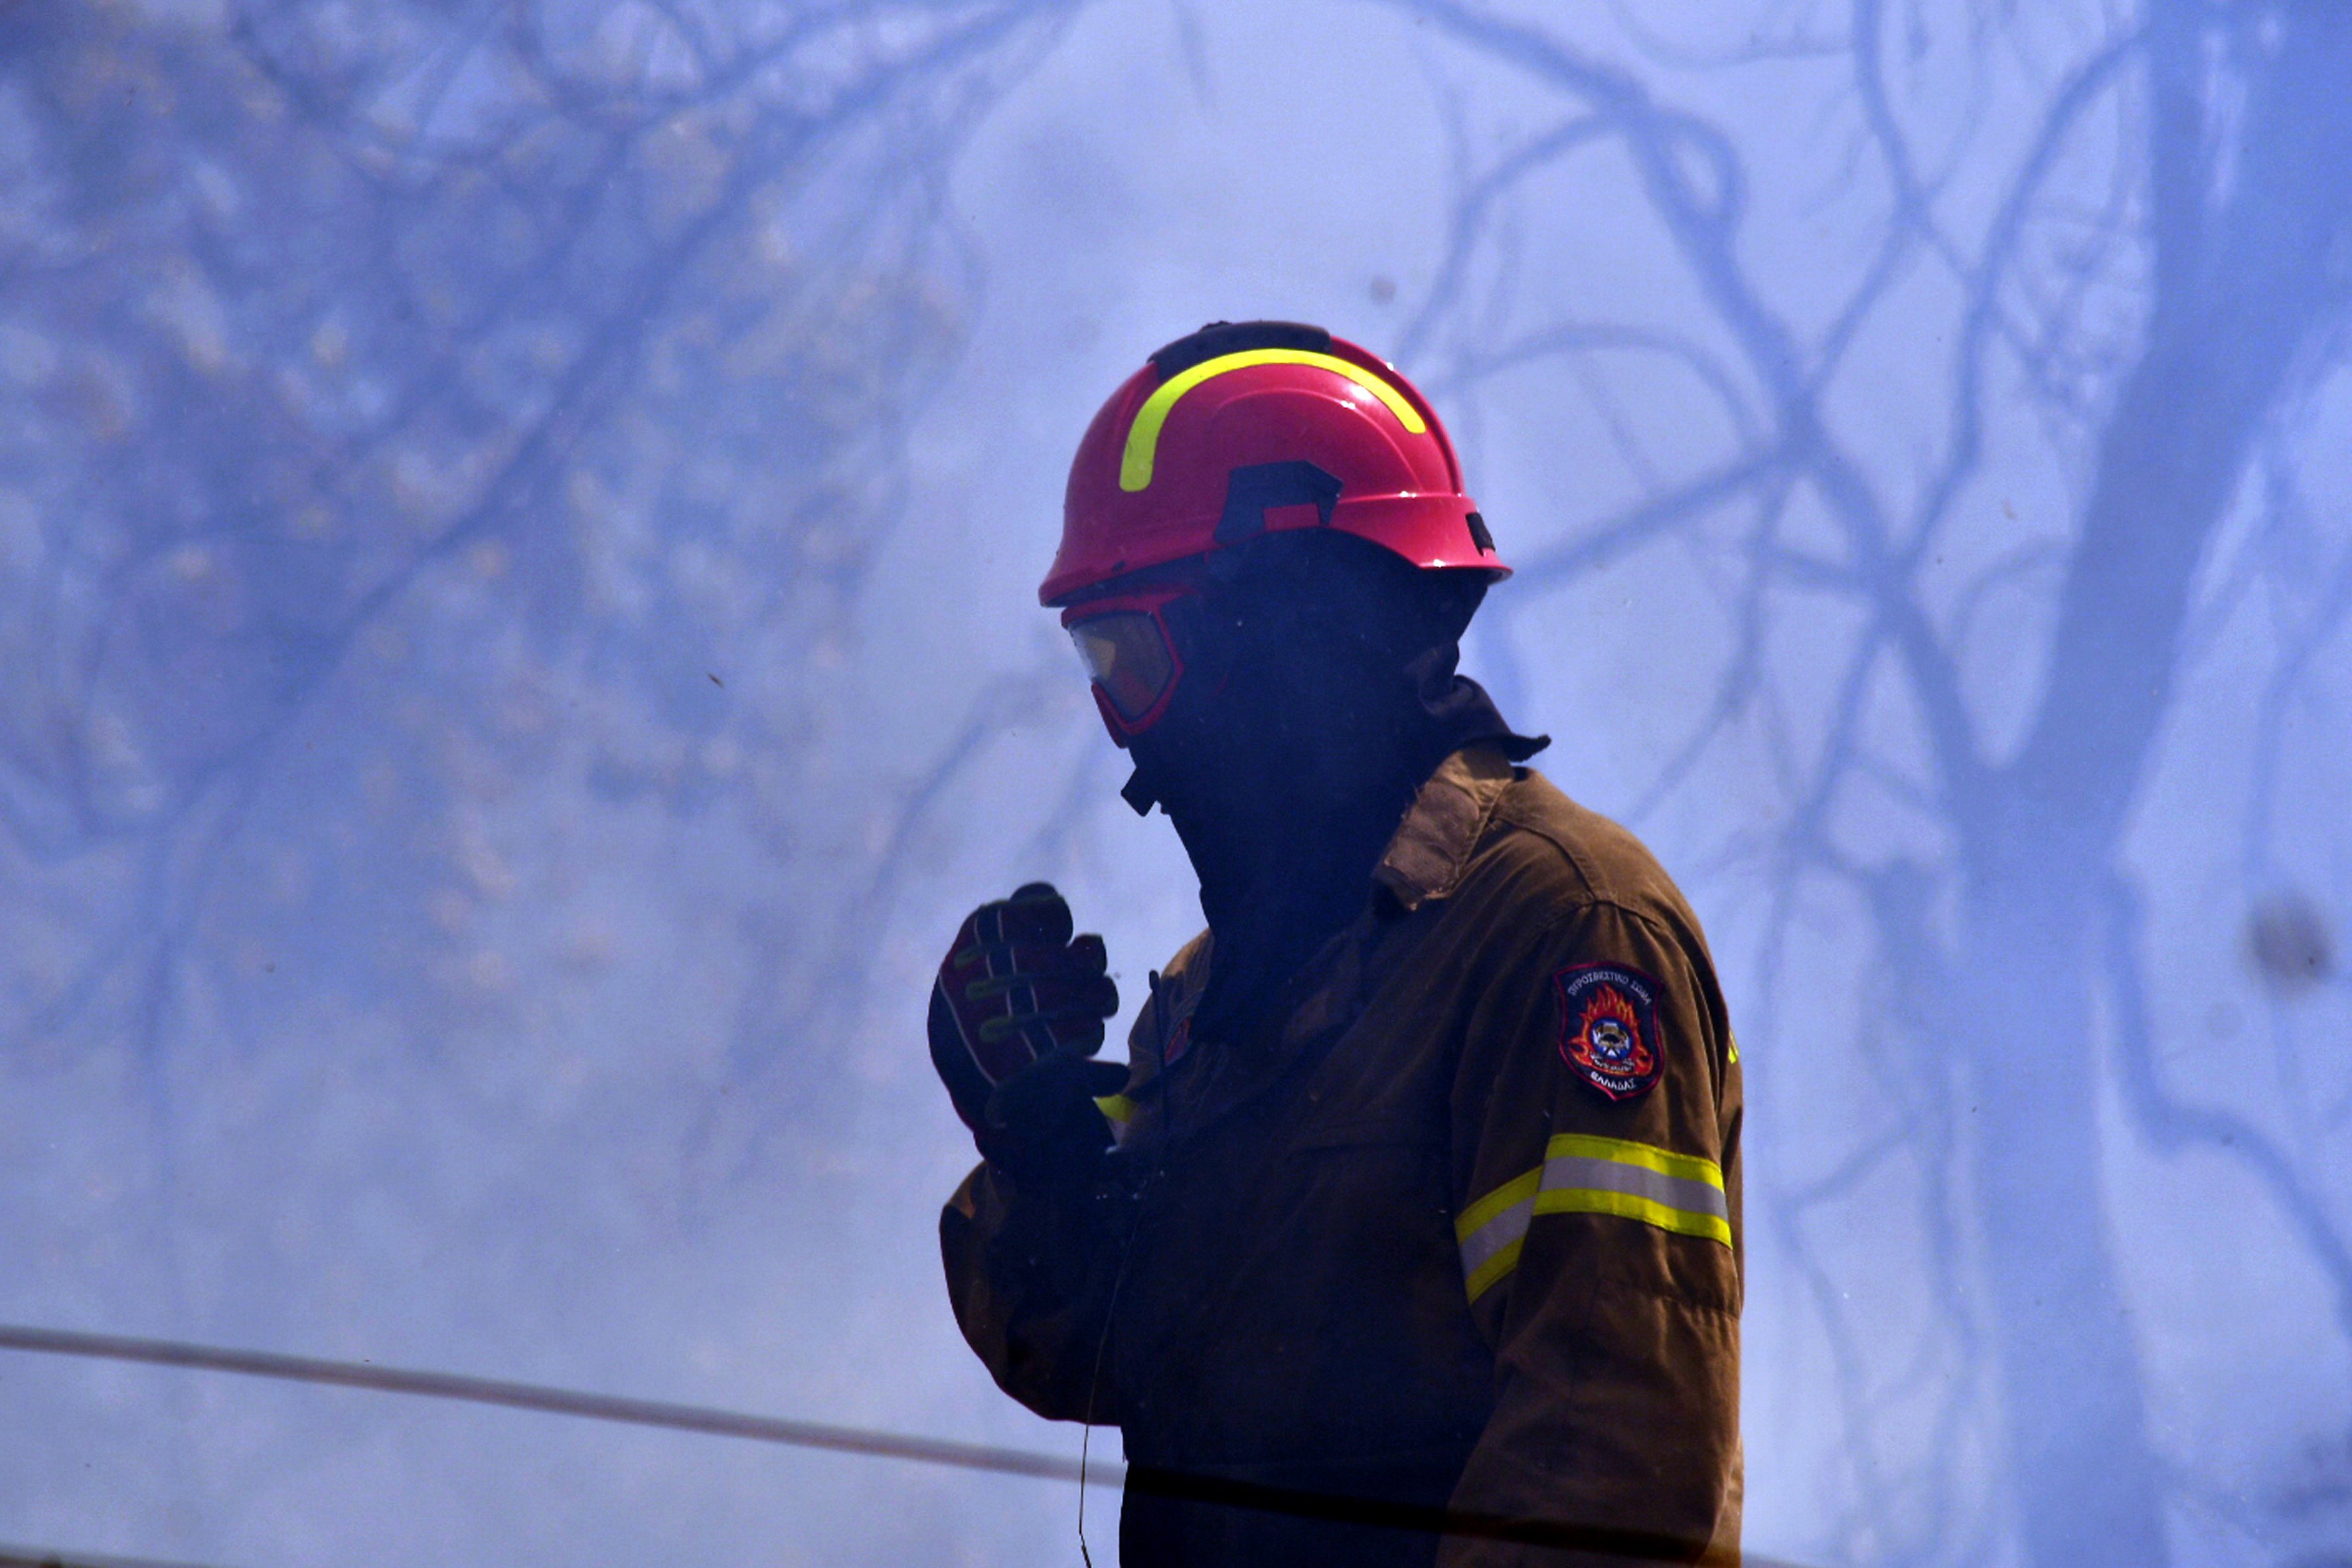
(1425, 860)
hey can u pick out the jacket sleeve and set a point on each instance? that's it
(1032, 1271)
(1030, 1276)
(1597, 1195)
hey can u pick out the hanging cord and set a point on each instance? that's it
(535, 1396)
(1220, 1490)
(1125, 1254)
(19, 1556)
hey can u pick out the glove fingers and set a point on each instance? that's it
(1095, 994)
(1035, 916)
(1033, 1036)
(1078, 1034)
(1019, 995)
(992, 968)
(968, 1080)
(1018, 1001)
(998, 1042)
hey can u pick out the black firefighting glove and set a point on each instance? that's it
(1017, 1014)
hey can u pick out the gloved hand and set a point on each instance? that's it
(1017, 1014)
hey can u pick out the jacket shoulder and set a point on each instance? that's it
(1185, 968)
(1176, 989)
(1569, 855)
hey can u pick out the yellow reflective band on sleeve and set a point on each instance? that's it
(1143, 436)
(1585, 1174)
(1117, 1108)
(1648, 1156)
(1632, 1206)
(1504, 1259)
(1490, 1230)
(1509, 1195)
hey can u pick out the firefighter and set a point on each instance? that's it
(1409, 1232)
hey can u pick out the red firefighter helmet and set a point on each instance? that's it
(1246, 427)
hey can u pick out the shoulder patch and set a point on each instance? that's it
(1609, 1027)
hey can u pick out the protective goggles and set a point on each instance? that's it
(1125, 645)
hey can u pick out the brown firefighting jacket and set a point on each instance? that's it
(1442, 1236)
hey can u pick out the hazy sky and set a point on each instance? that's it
(589, 1185)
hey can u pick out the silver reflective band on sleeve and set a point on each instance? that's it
(1491, 1229)
(1584, 1174)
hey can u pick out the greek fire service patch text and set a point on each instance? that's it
(1609, 1027)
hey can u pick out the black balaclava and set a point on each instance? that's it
(1319, 693)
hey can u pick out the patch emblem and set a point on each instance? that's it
(1609, 1027)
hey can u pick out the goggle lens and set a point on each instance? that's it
(1128, 657)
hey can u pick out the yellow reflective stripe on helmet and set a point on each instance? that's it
(1117, 1108)
(1143, 436)
(1585, 1174)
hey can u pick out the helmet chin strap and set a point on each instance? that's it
(1137, 793)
